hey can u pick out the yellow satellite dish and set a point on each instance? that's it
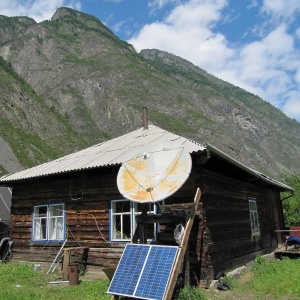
(154, 172)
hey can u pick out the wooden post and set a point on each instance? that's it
(182, 248)
(187, 267)
(67, 259)
(66, 262)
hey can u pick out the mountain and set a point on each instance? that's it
(83, 85)
(30, 132)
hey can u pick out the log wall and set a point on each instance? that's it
(86, 201)
(227, 242)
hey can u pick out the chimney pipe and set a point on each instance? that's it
(145, 117)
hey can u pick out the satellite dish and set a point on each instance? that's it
(154, 172)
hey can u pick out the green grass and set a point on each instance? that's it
(19, 282)
(276, 278)
(267, 279)
(191, 293)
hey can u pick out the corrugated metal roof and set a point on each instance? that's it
(112, 152)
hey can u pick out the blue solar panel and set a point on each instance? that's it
(143, 271)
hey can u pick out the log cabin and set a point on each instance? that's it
(74, 203)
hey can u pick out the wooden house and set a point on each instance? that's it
(74, 201)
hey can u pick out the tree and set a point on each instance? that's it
(291, 206)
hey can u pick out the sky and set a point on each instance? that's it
(253, 44)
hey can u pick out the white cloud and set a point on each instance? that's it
(268, 67)
(186, 32)
(196, 13)
(39, 10)
(280, 9)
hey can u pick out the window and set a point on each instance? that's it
(253, 216)
(122, 219)
(48, 222)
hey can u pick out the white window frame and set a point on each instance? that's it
(253, 214)
(42, 224)
(132, 213)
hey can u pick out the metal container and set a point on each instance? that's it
(73, 274)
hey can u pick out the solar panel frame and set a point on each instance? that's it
(143, 271)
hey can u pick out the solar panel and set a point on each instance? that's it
(143, 271)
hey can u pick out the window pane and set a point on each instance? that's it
(121, 206)
(253, 216)
(56, 231)
(252, 205)
(37, 229)
(252, 219)
(52, 229)
(116, 227)
(56, 210)
(138, 207)
(126, 227)
(40, 229)
(40, 211)
(60, 228)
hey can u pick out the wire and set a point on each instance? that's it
(89, 214)
(82, 191)
(46, 254)
(73, 236)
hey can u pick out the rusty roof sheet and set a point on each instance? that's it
(112, 152)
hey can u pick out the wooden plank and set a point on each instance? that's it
(66, 262)
(182, 248)
(74, 248)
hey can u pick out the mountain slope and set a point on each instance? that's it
(254, 124)
(30, 133)
(96, 85)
